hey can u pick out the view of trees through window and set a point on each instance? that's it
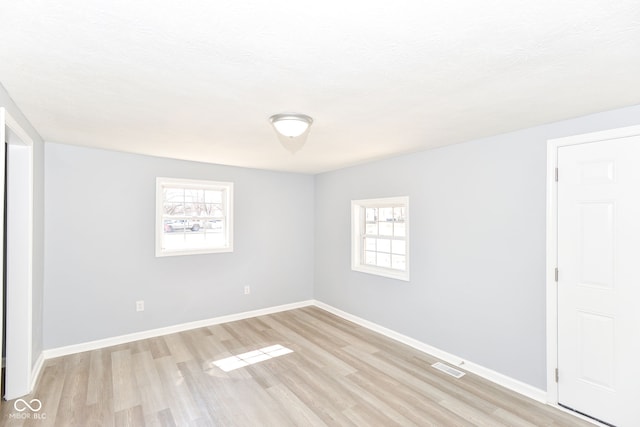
(193, 217)
(189, 203)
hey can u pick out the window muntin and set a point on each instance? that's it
(193, 216)
(384, 237)
(380, 243)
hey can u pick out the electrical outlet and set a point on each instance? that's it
(139, 305)
(247, 290)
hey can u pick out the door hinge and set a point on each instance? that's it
(556, 174)
(557, 376)
(556, 274)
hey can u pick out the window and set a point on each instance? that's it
(193, 217)
(380, 237)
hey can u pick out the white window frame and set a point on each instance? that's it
(227, 187)
(358, 233)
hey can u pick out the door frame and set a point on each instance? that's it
(19, 335)
(552, 241)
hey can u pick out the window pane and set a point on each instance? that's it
(399, 229)
(398, 214)
(398, 262)
(208, 209)
(384, 245)
(184, 225)
(370, 258)
(211, 196)
(217, 211)
(189, 209)
(372, 229)
(385, 228)
(214, 225)
(370, 244)
(371, 214)
(188, 196)
(383, 260)
(398, 247)
(168, 226)
(193, 240)
(201, 209)
(174, 195)
(172, 209)
(386, 214)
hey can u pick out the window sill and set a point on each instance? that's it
(161, 253)
(384, 272)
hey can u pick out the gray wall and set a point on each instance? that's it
(100, 242)
(477, 285)
(38, 220)
(477, 213)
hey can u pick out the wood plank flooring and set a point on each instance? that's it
(339, 374)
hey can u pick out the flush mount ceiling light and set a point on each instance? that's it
(292, 129)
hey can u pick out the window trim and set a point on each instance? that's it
(357, 236)
(162, 182)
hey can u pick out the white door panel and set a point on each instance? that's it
(599, 279)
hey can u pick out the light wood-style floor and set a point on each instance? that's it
(339, 374)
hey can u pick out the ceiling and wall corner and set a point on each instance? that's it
(199, 82)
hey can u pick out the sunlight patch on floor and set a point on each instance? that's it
(251, 357)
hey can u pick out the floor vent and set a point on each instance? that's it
(448, 370)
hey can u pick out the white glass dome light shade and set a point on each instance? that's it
(291, 125)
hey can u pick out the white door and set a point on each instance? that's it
(599, 279)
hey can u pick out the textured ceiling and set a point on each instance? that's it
(198, 80)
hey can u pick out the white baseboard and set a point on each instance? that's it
(486, 373)
(122, 339)
(35, 372)
(491, 375)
